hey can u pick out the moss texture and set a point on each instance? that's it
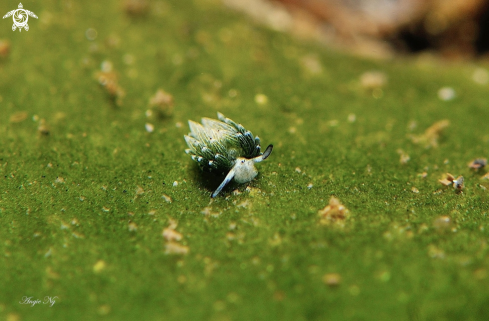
(86, 191)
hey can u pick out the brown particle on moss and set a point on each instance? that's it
(162, 103)
(447, 179)
(136, 8)
(139, 190)
(132, 227)
(4, 48)
(431, 136)
(442, 223)
(18, 117)
(404, 158)
(335, 212)
(176, 248)
(372, 80)
(171, 235)
(166, 198)
(423, 175)
(109, 80)
(172, 223)
(478, 163)
(207, 211)
(43, 129)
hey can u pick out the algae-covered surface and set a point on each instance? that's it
(102, 211)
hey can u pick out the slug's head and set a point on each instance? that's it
(244, 170)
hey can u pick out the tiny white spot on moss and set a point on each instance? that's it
(149, 127)
(352, 118)
(446, 93)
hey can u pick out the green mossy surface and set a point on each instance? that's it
(393, 261)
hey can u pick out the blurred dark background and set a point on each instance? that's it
(451, 28)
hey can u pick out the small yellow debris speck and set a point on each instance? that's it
(442, 223)
(18, 117)
(176, 248)
(447, 180)
(132, 227)
(171, 235)
(352, 118)
(139, 190)
(423, 175)
(371, 80)
(335, 212)
(162, 103)
(99, 266)
(430, 137)
(59, 180)
(166, 198)
(261, 99)
(332, 279)
(480, 76)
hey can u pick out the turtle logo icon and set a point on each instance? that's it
(20, 17)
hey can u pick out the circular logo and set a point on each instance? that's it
(20, 18)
